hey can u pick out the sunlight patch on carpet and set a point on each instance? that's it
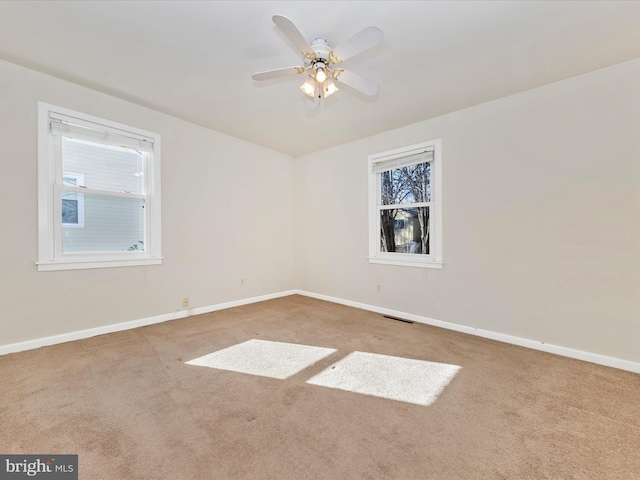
(264, 358)
(394, 378)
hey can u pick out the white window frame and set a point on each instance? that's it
(434, 258)
(50, 174)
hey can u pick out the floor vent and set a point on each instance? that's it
(398, 319)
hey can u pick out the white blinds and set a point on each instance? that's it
(404, 160)
(83, 130)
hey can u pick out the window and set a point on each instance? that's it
(400, 224)
(73, 202)
(405, 206)
(98, 192)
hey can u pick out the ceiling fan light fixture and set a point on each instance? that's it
(309, 87)
(320, 73)
(329, 88)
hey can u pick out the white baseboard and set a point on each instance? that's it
(501, 337)
(117, 327)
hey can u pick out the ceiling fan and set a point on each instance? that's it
(320, 62)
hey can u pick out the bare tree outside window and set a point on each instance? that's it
(404, 191)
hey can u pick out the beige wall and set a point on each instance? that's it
(541, 217)
(222, 209)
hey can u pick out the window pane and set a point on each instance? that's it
(103, 167)
(405, 230)
(410, 184)
(111, 224)
(73, 202)
(70, 208)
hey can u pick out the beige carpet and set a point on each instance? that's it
(132, 408)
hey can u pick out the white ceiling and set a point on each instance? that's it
(194, 60)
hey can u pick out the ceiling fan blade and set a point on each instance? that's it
(293, 34)
(354, 80)
(280, 72)
(361, 41)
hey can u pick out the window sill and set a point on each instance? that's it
(84, 264)
(406, 263)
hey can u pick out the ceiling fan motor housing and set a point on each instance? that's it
(321, 48)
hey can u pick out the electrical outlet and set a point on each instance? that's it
(379, 289)
(185, 302)
(242, 282)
